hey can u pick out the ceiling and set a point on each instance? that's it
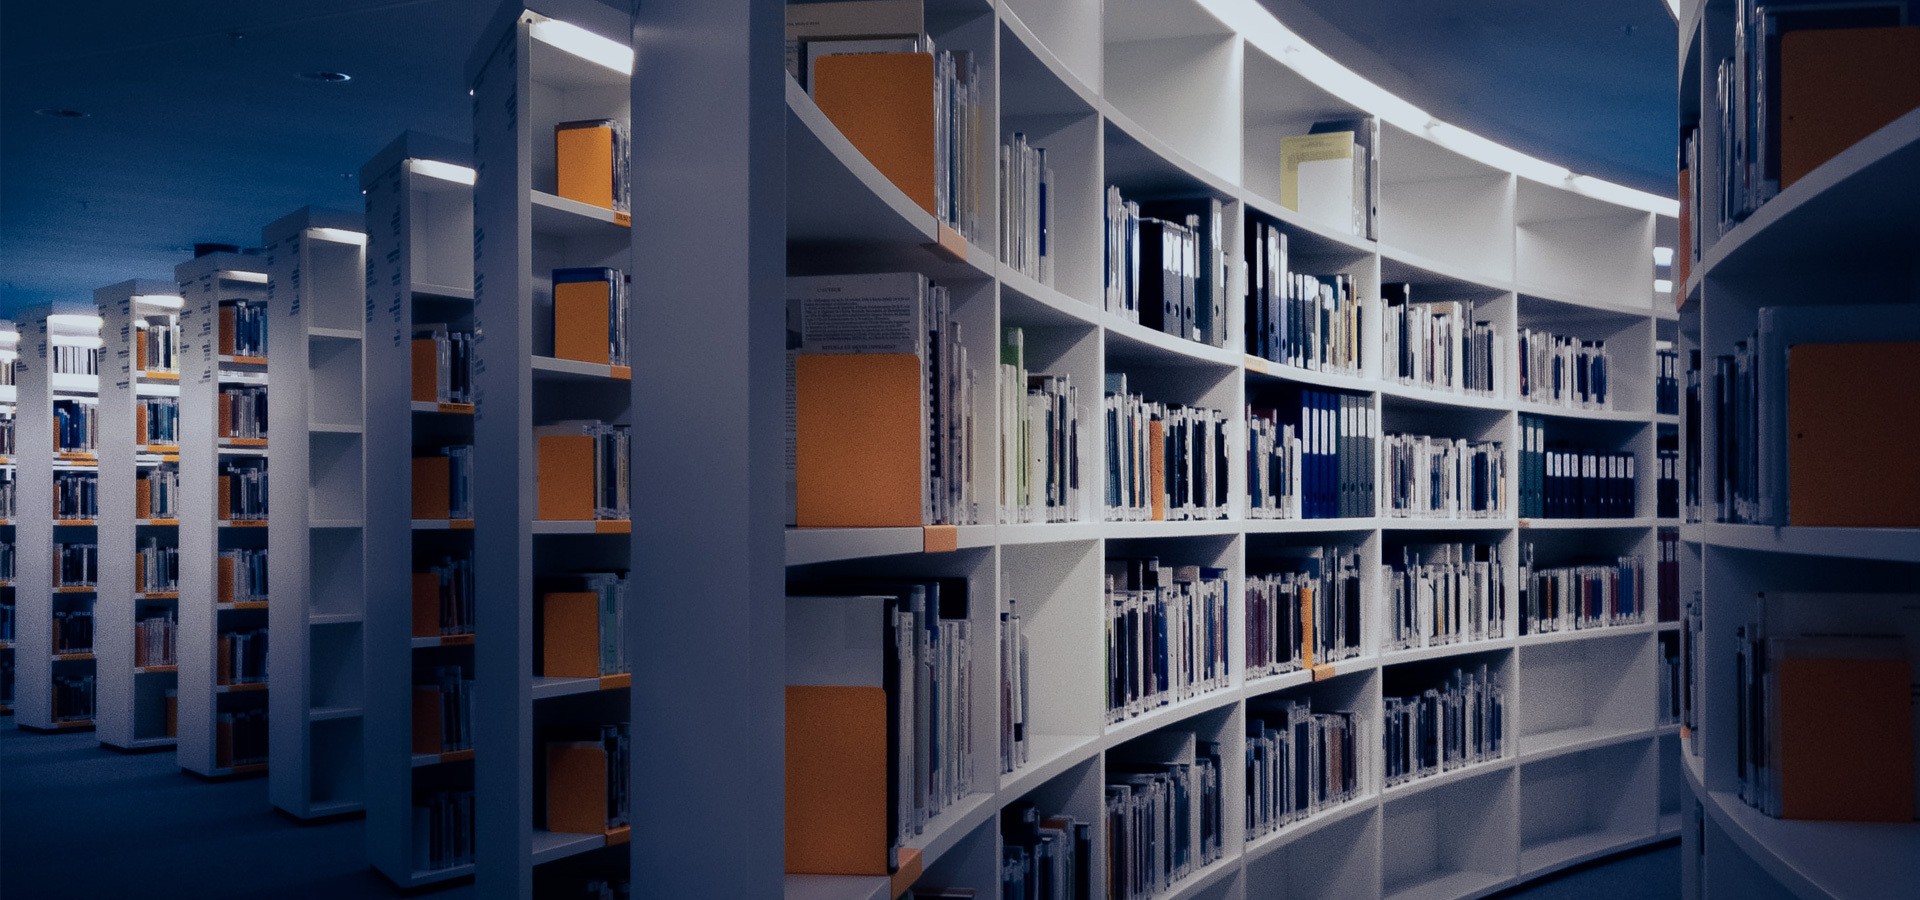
(199, 128)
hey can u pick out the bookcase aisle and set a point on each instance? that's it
(1798, 749)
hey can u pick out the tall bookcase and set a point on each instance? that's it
(534, 69)
(1852, 214)
(316, 621)
(420, 249)
(9, 359)
(41, 595)
(213, 710)
(1186, 100)
(136, 685)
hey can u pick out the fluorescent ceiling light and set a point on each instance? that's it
(1662, 286)
(338, 236)
(585, 44)
(249, 277)
(164, 301)
(1663, 256)
(445, 171)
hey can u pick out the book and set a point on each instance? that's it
(1581, 595)
(588, 788)
(1833, 85)
(1164, 812)
(1444, 478)
(583, 471)
(1039, 439)
(582, 625)
(1849, 456)
(1026, 208)
(1043, 857)
(1324, 177)
(1166, 634)
(1165, 461)
(915, 116)
(591, 160)
(1305, 614)
(848, 19)
(1299, 762)
(1440, 594)
(590, 315)
(1458, 720)
(1366, 146)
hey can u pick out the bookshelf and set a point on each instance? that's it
(561, 62)
(1745, 269)
(56, 686)
(140, 381)
(1189, 100)
(316, 302)
(420, 198)
(9, 394)
(222, 712)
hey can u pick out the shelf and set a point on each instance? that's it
(1292, 831)
(155, 670)
(241, 605)
(1891, 544)
(318, 619)
(551, 845)
(76, 656)
(1448, 885)
(1416, 523)
(325, 714)
(1313, 526)
(447, 409)
(243, 688)
(1027, 534)
(1153, 719)
(1047, 756)
(583, 526)
(1586, 524)
(547, 368)
(445, 640)
(838, 887)
(561, 217)
(442, 292)
(435, 759)
(1187, 528)
(815, 545)
(246, 769)
(549, 688)
(1132, 344)
(442, 524)
(1464, 648)
(1574, 740)
(1822, 859)
(1581, 634)
(1440, 779)
(1571, 851)
(1551, 411)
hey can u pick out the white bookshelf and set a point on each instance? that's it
(420, 266)
(1189, 99)
(316, 303)
(1848, 212)
(205, 529)
(37, 597)
(558, 61)
(133, 692)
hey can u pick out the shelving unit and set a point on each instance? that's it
(1184, 100)
(40, 596)
(316, 302)
(534, 69)
(9, 391)
(420, 200)
(209, 710)
(1848, 213)
(134, 689)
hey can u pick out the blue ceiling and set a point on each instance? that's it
(199, 130)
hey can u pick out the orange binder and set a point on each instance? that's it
(580, 311)
(1157, 469)
(565, 477)
(426, 370)
(1853, 421)
(883, 103)
(426, 604)
(577, 787)
(1850, 760)
(1839, 85)
(583, 162)
(859, 440)
(570, 635)
(427, 728)
(432, 490)
(1306, 628)
(837, 780)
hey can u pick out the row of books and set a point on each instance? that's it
(1304, 617)
(1165, 461)
(76, 565)
(1443, 594)
(1444, 478)
(242, 576)
(593, 163)
(243, 328)
(240, 736)
(1439, 344)
(76, 424)
(1039, 439)
(240, 656)
(1572, 484)
(585, 468)
(442, 710)
(156, 420)
(1331, 175)
(1460, 722)
(242, 489)
(441, 360)
(589, 788)
(1666, 483)
(73, 631)
(1026, 209)
(1299, 762)
(442, 483)
(1041, 857)
(156, 344)
(1565, 598)
(1166, 266)
(1273, 466)
(1165, 819)
(1337, 434)
(443, 598)
(1667, 573)
(1166, 634)
(443, 829)
(156, 567)
(76, 494)
(72, 697)
(590, 306)
(156, 492)
(582, 619)
(241, 412)
(153, 640)
(73, 359)
(1563, 371)
(1308, 321)
(879, 678)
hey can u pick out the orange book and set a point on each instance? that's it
(140, 423)
(1306, 628)
(427, 728)
(226, 331)
(1850, 760)
(223, 414)
(577, 787)
(223, 742)
(1851, 434)
(884, 104)
(860, 440)
(139, 570)
(565, 478)
(570, 635)
(142, 498)
(426, 370)
(583, 155)
(223, 664)
(837, 797)
(225, 508)
(139, 356)
(1157, 468)
(224, 589)
(432, 487)
(426, 604)
(1839, 85)
(580, 319)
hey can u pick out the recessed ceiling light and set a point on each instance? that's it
(62, 113)
(325, 76)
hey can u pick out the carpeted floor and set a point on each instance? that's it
(78, 821)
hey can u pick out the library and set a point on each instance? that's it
(1035, 449)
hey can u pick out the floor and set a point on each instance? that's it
(158, 824)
